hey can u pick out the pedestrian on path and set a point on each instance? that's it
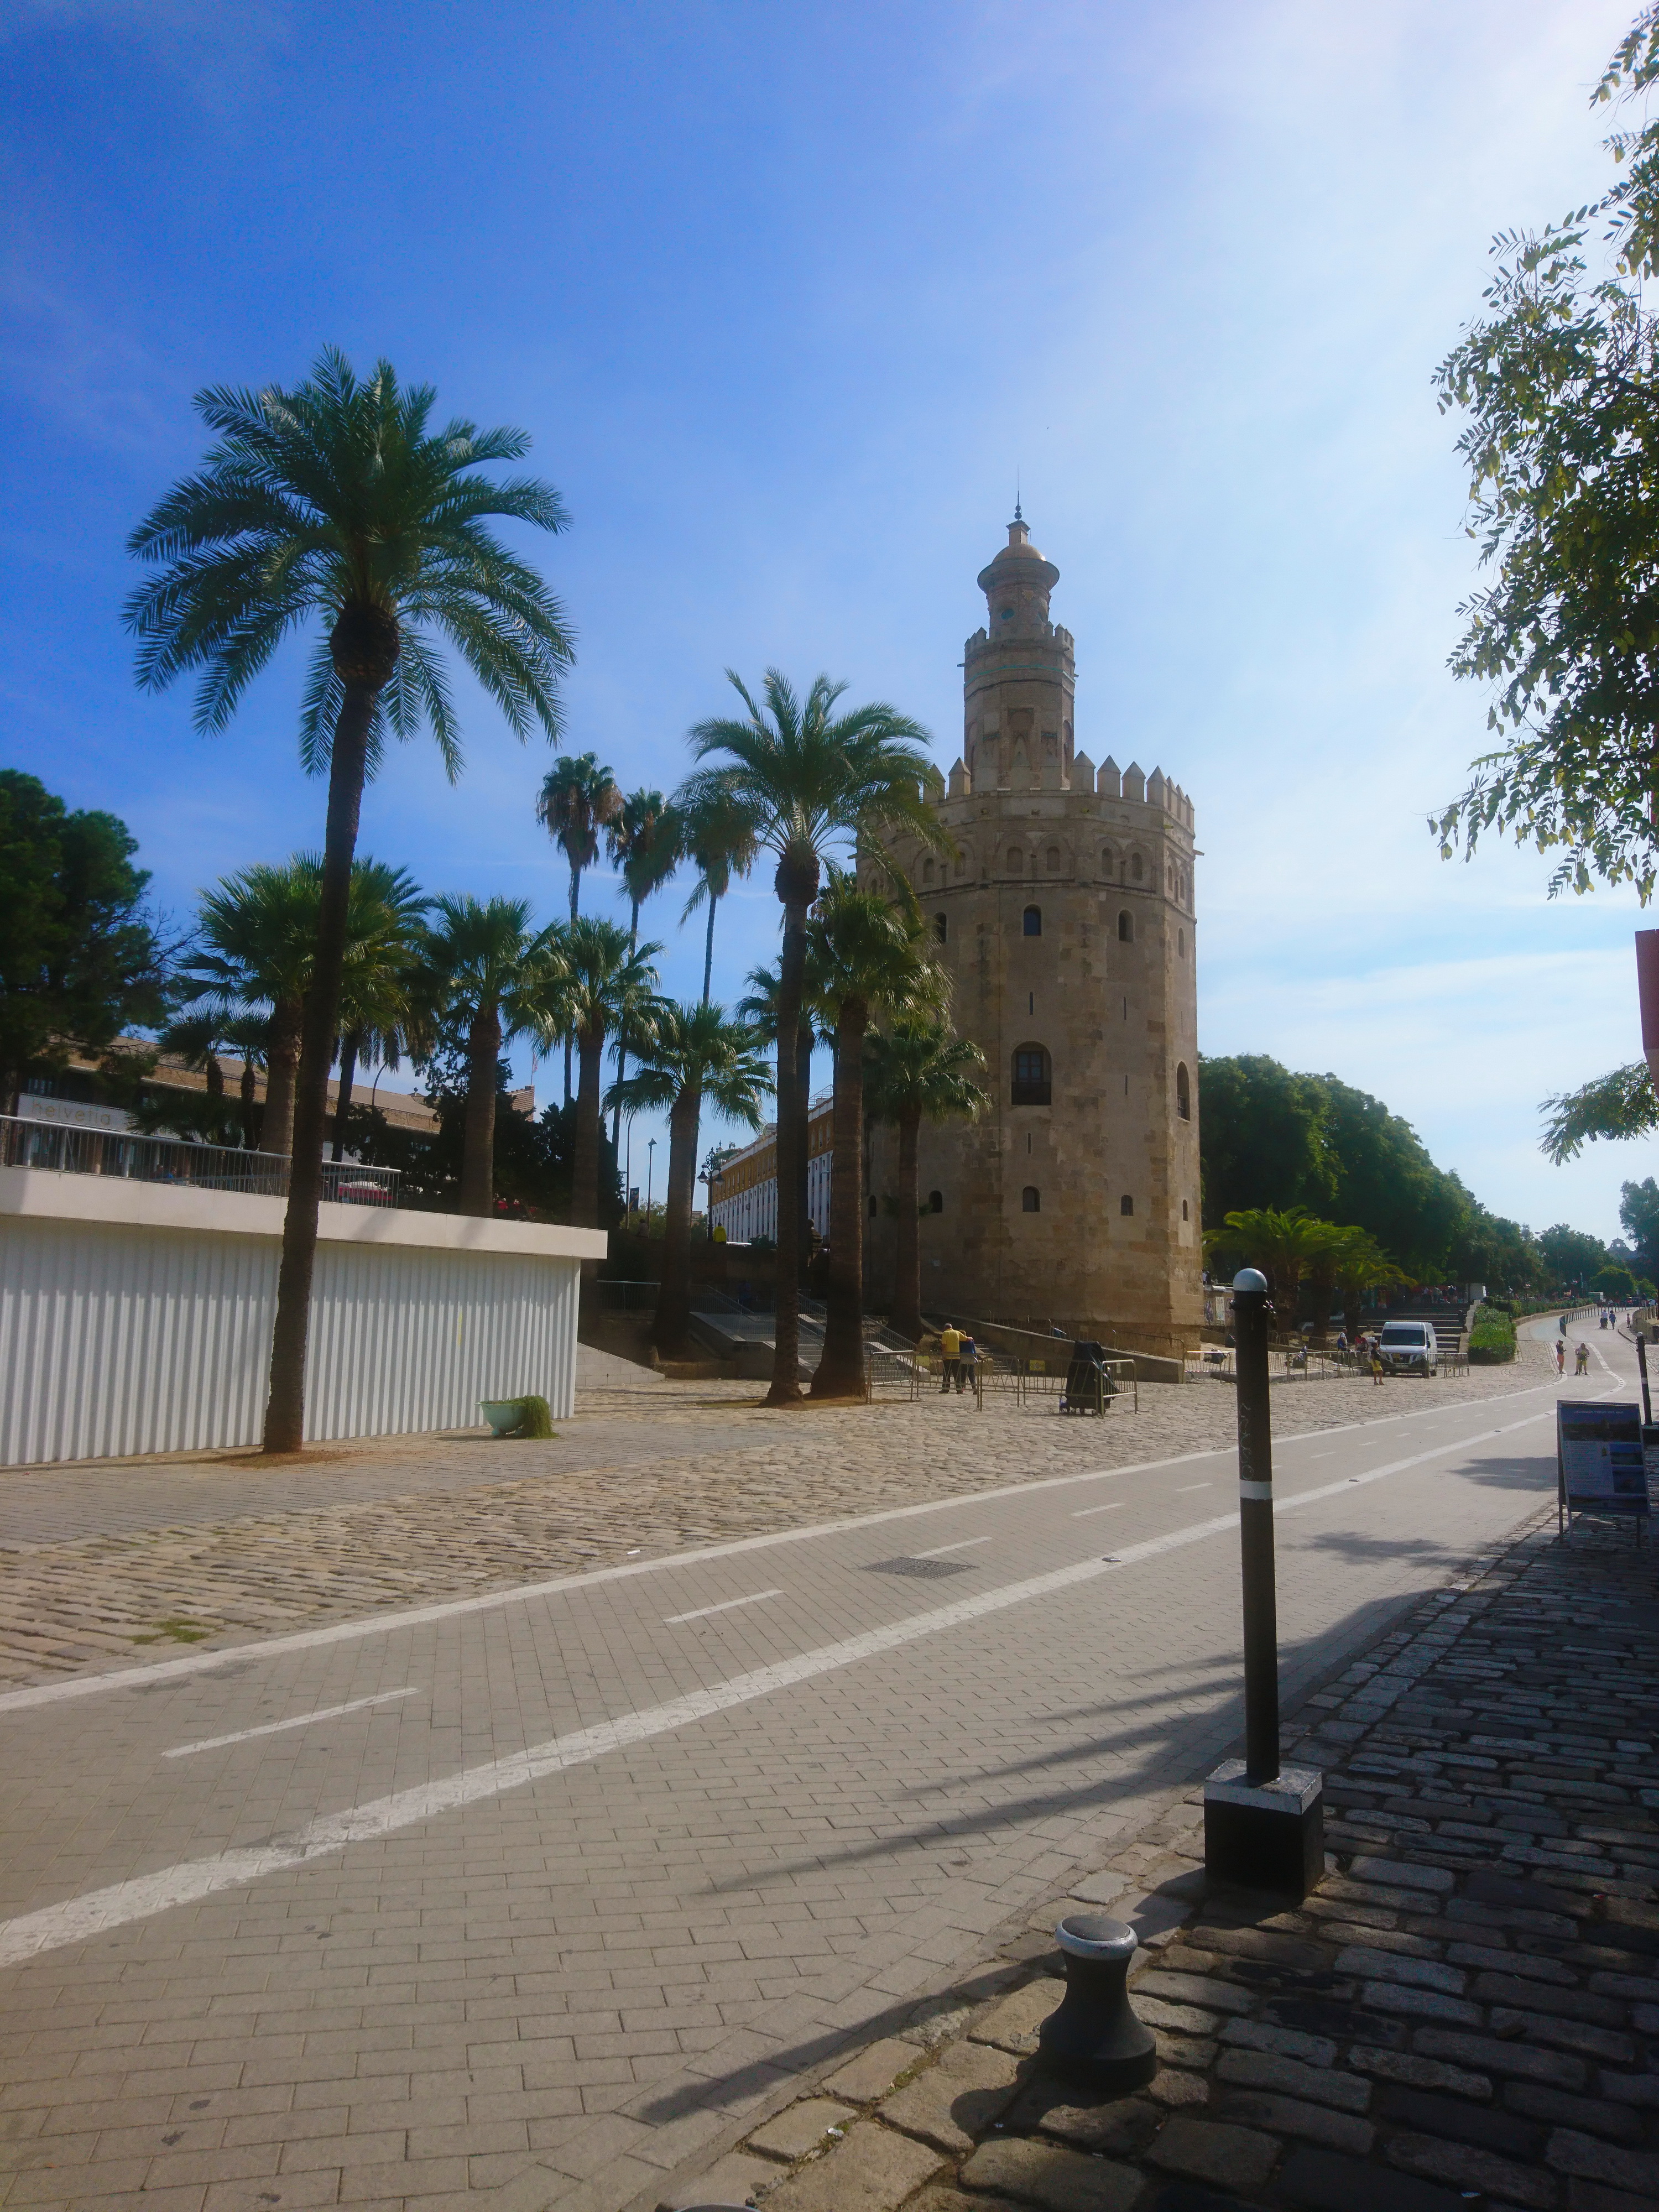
(949, 1352)
(1580, 1364)
(1560, 1357)
(969, 1353)
(1376, 1365)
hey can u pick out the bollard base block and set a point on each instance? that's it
(1269, 1836)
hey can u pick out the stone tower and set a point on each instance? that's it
(1065, 918)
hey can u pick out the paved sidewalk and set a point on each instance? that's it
(1465, 2014)
(106, 1563)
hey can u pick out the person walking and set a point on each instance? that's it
(1581, 1363)
(1377, 1363)
(968, 1354)
(1560, 1355)
(949, 1352)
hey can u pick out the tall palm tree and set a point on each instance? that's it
(578, 797)
(1283, 1245)
(807, 778)
(603, 986)
(380, 1008)
(337, 500)
(865, 956)
(1359, 1267)
(691, 1054)
(492, 971)
(644, 840)
(915, 1071)
(255, 954)
(720, 839)
(759, 1009)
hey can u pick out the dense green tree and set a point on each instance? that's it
(1264, 1138)
(1558, 381)
(1615, 1283)
(917, 1070)
(336, 501)
(688, 1055)
(80, 961)
(1571, 1256)
(1612, 1107)
(1638, 1210)
(807, 779)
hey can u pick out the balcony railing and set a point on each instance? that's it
(56, 1150)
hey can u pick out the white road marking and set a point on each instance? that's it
(1185, 1486)
(80, 1918)
(1117, 1503)
(276, 1728)
(940, 1550)
(674, 1620)
(387, 1624)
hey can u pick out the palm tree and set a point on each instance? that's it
(603, 986)
(864, 957)
(644, 840)
(804, 778)
(578, 797)
(491, 970)
(335, 499)
(915, 1071)
(380, 1013)
(1360, 1266)
(759, 1009)
(255, 953)
(691, 1054)
(1283, 1245)
(719, 837)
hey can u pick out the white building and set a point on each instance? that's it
(743, 1198)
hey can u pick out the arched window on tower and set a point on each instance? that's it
(1137, 868)
(1031, 921)
(1030, 1200)
(927, 872)
(941, 927)
(1016, 861)
(936, 1201)
(1108, 863)
(1034, 1083)
(1126, 928)
(1183, 1093)
(1054, 859)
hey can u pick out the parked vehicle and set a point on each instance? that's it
(1409, 1347)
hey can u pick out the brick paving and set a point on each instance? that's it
(1465, 2013)
(107, 1563)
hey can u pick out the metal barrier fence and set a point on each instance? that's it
(1027, 1381)
(56, 1150)
(1288, 1364)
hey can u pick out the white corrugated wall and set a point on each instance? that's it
(117, 1341)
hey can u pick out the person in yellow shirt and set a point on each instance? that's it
(949, 1352)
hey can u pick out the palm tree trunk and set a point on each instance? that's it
(576, 892)
(791, 1148)
(670, 1329)
(803, 1158)
(585, 1159)
(907, 1274)
(708, 949)
(484, 1053)
(284, 1429)
(841, 1370)
(622, 1042)
(215, 1074)
(343, 1096)
(250, 1109)
(281, 1066)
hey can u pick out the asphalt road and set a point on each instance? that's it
(392, 1910)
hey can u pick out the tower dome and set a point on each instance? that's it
(1018, 582)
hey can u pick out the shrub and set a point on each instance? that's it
(1491, 1341)
(535, 1419)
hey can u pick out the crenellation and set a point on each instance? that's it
(1109, 782)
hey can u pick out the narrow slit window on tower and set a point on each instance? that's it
(1108, 862)
(872, 1206)
(1053, 862)
(1030, 1200)
(927, 872)
(1016, 861)
(1181, 943)
(1126, 928)
(1183, 1209)
(1030, 1002)
(1183, 1093)
(941, 928)
(936, 1201)
(1032, 921)
(1126, 1204)
(1136, 869)
(1033, 1075)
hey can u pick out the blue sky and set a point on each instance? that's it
(786, 296)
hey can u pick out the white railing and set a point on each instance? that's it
(55, 1149)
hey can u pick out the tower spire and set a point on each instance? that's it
(1018, 517)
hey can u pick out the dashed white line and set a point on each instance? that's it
(1182, 1488)
(702, 1612)
(276, 1728)
(1084, 1513)
(940, 1550)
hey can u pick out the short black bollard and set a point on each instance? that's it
(1264, 1824)
(1093, 2037)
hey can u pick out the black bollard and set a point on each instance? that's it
(1264, 1825)
(1093, 2037)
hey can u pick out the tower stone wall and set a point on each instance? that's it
(1064, 917)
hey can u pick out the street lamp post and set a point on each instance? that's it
(650, 1167)
(1264, 1823)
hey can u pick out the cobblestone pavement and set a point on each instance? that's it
(106, 1563)
(1465, 2013)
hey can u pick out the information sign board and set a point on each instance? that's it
(1604, 1457)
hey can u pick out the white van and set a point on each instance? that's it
(1409, 1347)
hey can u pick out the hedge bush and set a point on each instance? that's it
(535, 1419)
(1491, 1341)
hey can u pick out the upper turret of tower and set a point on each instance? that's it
(1016, 583)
